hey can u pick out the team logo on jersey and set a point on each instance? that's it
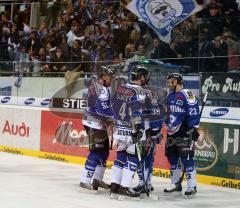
(206, 152)
(190, 95)
(179, 102)
(102, 91)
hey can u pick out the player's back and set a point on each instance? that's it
(128, 99)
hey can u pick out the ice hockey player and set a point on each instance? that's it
(97, 121)
(182, 130)
(128, 102)
(153, 119)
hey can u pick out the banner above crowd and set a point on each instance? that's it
(162, 16)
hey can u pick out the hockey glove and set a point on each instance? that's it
(136, 136)
(193, 134)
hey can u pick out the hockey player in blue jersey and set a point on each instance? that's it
(128, 102)
(182, 130)
(153, 119)
(97, 121)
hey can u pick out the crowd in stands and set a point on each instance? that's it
(80, 35)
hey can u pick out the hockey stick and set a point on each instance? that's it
(147, 189)
(141, 162)
(203, 105)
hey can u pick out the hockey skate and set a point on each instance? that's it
(141, 188)
(87, 186)
(114, 190)
(96, 184)
(175, 189)
(127, 192)
(190, 193)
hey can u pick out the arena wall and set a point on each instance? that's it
(58, 134)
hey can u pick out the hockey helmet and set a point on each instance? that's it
(177, 77)
(138, 71)
(106, 70)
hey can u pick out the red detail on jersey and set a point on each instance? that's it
(180, 97)
(125, 91)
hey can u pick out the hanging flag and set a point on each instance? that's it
(162, 16)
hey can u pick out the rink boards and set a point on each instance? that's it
(59, 135)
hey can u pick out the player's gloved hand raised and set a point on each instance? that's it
(193, 134)
(136, 136)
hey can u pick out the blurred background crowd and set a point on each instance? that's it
(81, 35)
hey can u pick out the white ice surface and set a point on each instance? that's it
(27, 182)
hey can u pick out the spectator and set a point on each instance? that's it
(187, 49)
(204, 53)
(59, 61)
(50, 50)
(75, 57)
(130, 50)
(107, 38)
(219, 52)
(33, 44)
(233, 52)
(22, 58)
(215, 23)
(148, 41)
(141, 52)
(162, 50)
(53, 9)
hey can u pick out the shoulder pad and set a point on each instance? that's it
(190, 96)
(140, 92)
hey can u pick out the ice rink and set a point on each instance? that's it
(28, 182)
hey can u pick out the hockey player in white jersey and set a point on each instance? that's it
(128, 102)
(97, 121)
(182, 131)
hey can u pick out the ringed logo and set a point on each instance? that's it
(29, 101)
(219, 112)
(5, 100)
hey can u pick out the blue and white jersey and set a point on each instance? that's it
(183, 112)
(98, 109)
(128, 102)
(154, 113)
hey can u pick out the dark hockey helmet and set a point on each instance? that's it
(138, 71)
(177, 77)
(106, 70)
